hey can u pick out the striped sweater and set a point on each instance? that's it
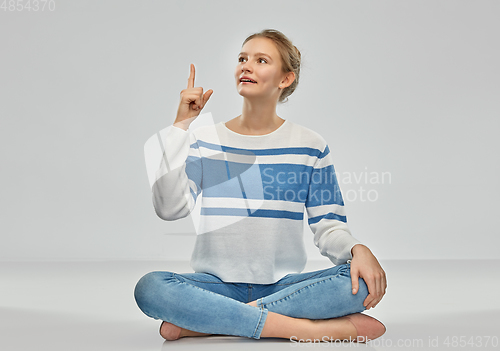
(253, 190)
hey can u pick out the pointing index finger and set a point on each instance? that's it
(191, 78)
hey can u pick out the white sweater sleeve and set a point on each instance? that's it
(178, 178)
(326, 212)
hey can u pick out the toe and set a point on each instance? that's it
(368, 328)
(170, 331)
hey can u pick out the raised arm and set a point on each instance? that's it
(178, 179)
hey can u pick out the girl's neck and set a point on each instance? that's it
(258, 117)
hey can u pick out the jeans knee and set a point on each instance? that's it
(363, 288)
(361, 295)
(146, 289)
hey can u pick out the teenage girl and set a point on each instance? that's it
(324, 304)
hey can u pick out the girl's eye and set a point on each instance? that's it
(242, 58)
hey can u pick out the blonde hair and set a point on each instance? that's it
(290, 57)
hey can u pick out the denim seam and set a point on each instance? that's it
(210, 282)
(330, 277)
(312, 276)
(200, 281)
(298, 281)
(258, 324)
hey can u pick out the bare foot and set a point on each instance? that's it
(171, 332)
(332, 329)
(342, 328)
(281, 326)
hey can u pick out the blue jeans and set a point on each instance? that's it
(202, 302)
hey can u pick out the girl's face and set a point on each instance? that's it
(260, 61)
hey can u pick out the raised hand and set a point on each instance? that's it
(192, 102)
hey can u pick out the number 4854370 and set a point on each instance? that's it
(28, 5)
(472, 341)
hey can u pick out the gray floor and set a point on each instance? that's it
(429, 305)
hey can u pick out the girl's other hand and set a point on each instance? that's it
(365, 265)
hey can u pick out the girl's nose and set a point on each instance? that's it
(246, 67)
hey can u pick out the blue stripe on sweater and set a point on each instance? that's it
(261, 152)
(243, 212)
(329, 215)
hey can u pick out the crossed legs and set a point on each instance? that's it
(281, 326)
(310, 305)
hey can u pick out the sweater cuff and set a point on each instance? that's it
(353, 242)
(345, 243)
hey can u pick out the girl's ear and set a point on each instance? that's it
(289, 78)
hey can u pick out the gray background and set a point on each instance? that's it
(405, 87)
